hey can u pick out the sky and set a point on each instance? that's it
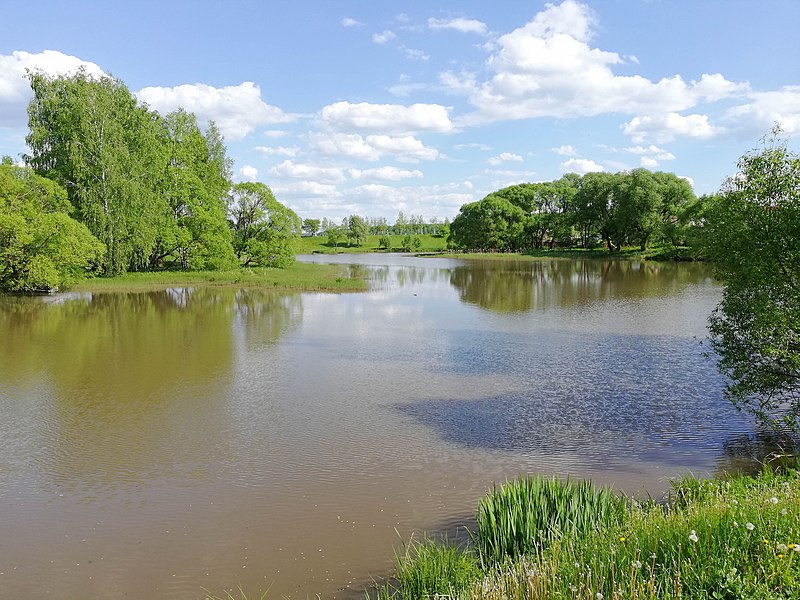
(376, 107)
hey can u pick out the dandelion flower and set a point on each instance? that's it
(774, 500)
(783, 512)
(693, 536)
(599, 596)
(735, 524)
(782, 547)
(765, 541)
(750, 526)
(622, 538)
(636, 564)
(796, 548)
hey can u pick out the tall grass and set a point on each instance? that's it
(523, 515)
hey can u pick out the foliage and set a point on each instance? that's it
(356, 229)
(385, 243)
(311, 226)
(91, 136)
(523, 516)
(752, 235)
(263, 228)
(632, 207)
(41, 246)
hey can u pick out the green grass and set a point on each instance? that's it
(523, 516)
(298, 276)
(629, 253)
(715, 540)
(319, 245)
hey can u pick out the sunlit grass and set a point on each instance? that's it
(319, 244)
(299, 276)
(720, 539)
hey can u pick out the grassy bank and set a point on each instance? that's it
(544, 539)
(629, 253)
(299, 276)
(320, 245)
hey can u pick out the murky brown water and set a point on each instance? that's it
(158, 444)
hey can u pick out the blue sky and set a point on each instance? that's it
(372, 108)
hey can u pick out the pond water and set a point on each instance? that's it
(164, 443)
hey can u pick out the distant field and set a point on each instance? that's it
(319, 244)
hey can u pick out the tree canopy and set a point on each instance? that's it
(632, 207)
(41, 246)
(751, 233)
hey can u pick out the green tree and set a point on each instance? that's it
(196, 182)
(752, 235)
(41, 246)
(263, 228)
(491, 224)
(357, 229)
(91, 136)
(311, 226)
(385, 243)
(335, 235)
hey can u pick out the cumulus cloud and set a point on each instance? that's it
(293, 170)
(349, 22)
(459, 24)
(504, 157)
(384, 36)
(666, 127)
(385, 174)
(301, 189)
(248, 173)
(15, 90)
(372, 147)
(386, 118)
(565, 150)
(237, 110)
(548, 68)
(767, 108)
(650, 156)
(581, 166)
(277, 151)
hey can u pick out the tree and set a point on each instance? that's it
(311, 226)
(493, 223)
(356, 229)
(385, 243)
(196, 182)
(41, 246)
(92, 137)
(263, 228)
(752, 234)
(335, 234)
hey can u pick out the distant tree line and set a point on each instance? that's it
(149, 191)
(635, 207)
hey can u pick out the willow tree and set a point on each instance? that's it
(41, 246)
(752, 235)
(92, 136)
(264, 230)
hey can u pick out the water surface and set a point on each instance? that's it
(159, 443)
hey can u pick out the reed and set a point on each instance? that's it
(524, 515)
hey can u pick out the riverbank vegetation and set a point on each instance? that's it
(547, 539)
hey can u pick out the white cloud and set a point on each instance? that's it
(767, 108)
(650, 156)
(666, 127)
(15, 90)
(459, 24)
(277, 151)
(472, 146)
(348, 22)
(237, 110)
(293, 170)
(565, 150)
(387, 118)
(248, 173)
(383, 37)
(415, 54)
(581, 166)
(275, 133)
(305, 188)
(372, 147)
(385, 174)
(548, 68)
(504, 157)
(648, 162)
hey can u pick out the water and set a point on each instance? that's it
(158, 444)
